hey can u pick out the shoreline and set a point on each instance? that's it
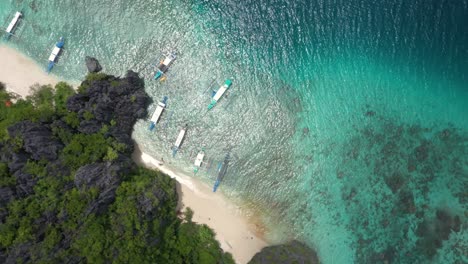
(19, 72)
(233, 230)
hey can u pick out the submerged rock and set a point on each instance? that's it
(292, 252)
(93, 64)
(433, 232)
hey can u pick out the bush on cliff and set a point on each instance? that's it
(69, 191)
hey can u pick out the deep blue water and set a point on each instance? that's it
(347, 122)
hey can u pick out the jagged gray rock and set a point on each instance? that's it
(38, 140)
(6, 195)
(17, 161)
(77, 102)
(89, 126)
(24, 183)
(112, 101)
(293, 252)
(92, 64)
(106, 177)
(19, 254)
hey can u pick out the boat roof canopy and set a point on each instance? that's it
(13, 22)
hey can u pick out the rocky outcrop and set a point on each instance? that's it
(19, 254)
(106, 177)
(6, 195)
(24, 183)
(15, 160)
(292, 252)
(114, 102)
(89, 126)
(38, 140)
(77, 102)
(92, 64)
(110, 105)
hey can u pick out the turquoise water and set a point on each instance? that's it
(347, 121)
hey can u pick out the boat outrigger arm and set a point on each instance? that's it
(179, 140)
(11, 27)
(221, 91)
(157, 113)
(221, 172)
(164, 66)
(55, 53)
(198, 161)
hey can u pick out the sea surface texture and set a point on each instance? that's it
(347, 120)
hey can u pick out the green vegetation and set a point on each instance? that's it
(122, 213)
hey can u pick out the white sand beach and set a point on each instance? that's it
(233, 231)
(19, 73)
(235, 234)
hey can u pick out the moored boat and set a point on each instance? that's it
(179, 140)
(55, 53)
(157, 113)
(222, 169)
(221, 91)
(198, 161)
(12, 26)
(164, 66)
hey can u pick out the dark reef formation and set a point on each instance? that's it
(293, 252)
(402, 168)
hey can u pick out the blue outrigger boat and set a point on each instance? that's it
(55, 53)
(222, 169)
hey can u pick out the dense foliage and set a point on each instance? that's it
(69, 192)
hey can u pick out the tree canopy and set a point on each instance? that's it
(70, 193)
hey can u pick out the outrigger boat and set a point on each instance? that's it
(11, 27)
(55, 53)
(157, 113)
(198, 161)
(164, 66)
(222, 169)
(179, 140)
(218, 94)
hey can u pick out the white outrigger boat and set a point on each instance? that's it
(179, 140)
(198, 161)
(164, 66)
(55, 53)
(11, 27)
(218, 94)
(157, 113)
